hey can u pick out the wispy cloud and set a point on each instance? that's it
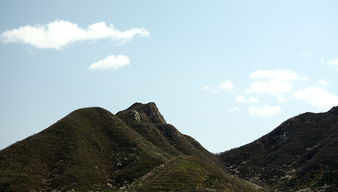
(59, 33)
(264, 111)
(111, 62)
(305, 54)
(273, 87)
(317, 97)
(284, 85)
(224, 86)
(242, 99)
(273, 82)
(322, 82)
(321, 60)
(332, 62)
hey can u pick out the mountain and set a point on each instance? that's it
(92, 149)
(299, 155)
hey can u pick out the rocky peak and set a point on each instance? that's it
(147, 112)
(134, 115)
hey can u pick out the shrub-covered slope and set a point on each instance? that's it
(300, 154)
(92, 149)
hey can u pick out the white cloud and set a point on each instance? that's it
(242, 99)
(224, 86)
(321, 60)
(332, 62)
(264, 111)
(273, 82)
(323, 82)
(317, 97)
(59, 33)
(206, 88)
(273, 87)
(111, 62)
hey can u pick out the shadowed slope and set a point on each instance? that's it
(301, 153)
(148, 122)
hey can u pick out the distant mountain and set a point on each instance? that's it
(299, 155)
(92, 149)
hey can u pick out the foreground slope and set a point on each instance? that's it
(85, 150)
(299, 155)
(92, 149)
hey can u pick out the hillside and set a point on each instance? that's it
(92, 149)
(299, 155)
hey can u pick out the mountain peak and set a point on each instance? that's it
(89, 110)
(333, 110)
(145, 112)
(92, 149)
(141, 105)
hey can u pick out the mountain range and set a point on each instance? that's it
(92, 149)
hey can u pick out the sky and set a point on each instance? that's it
(223, 72)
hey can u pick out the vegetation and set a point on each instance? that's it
(300, 154)
(93, 150)
(135, 150)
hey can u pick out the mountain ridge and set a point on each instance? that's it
(297, 155)
(92, 149)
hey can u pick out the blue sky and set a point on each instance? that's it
(224, 72)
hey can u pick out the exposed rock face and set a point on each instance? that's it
(301, 153)
(148, 112)
(169, 131)
(134, 115)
